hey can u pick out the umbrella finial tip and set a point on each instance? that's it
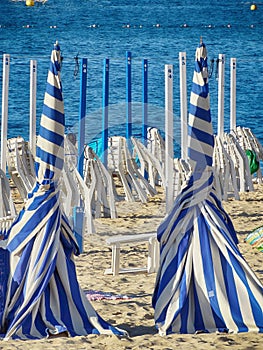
(201, 40)
(56, 46)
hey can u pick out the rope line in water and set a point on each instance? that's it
(19, 59)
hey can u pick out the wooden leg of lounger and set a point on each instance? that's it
(156, 254)
(153, 255)
(150, 263)
(115, 259)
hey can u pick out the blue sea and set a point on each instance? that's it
(149, 29)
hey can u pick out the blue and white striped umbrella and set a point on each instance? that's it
(44, 296)
(203, 283)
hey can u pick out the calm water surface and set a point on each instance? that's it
(153, 30)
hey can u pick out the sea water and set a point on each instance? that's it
(149, 29)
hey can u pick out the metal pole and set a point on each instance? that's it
(82, 114)
(32, 112)
(183, 104)
(105, 112)
(169, 153)
(6, 69)
(233, 94)
(221, 90)
(78, 211)
(144, 100)
(128, 97)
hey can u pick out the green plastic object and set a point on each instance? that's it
(253, 162)
(255, 238)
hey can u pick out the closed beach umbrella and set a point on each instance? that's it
(203, 283)
(44, 296)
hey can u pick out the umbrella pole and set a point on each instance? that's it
(169, 154)
(233, 94)
(183, 104)
(105, 112)
(6, 69)
(78, 212)
(128, 98)
(32, 112)
(144, 101)
(221, 91)
(82, 114)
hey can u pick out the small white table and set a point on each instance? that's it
(153, 253)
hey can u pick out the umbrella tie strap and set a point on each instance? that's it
(76, 69)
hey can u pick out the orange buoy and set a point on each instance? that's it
(253, 7)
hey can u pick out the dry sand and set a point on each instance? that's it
(136, 314)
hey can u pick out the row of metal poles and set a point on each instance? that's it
(169, 154)
(105, 104)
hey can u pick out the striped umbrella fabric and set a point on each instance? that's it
(44, 296)
(50, 143)
(203, 283)
(201, 138)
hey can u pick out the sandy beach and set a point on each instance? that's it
(129, 306)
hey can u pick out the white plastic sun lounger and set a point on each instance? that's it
(20, 165)
(241, 164)
(224, 171)
(156, 145)
(100, 185)
(121, 164)
(78, 191)
(7, 208)
(248, 141)
(148, 163)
